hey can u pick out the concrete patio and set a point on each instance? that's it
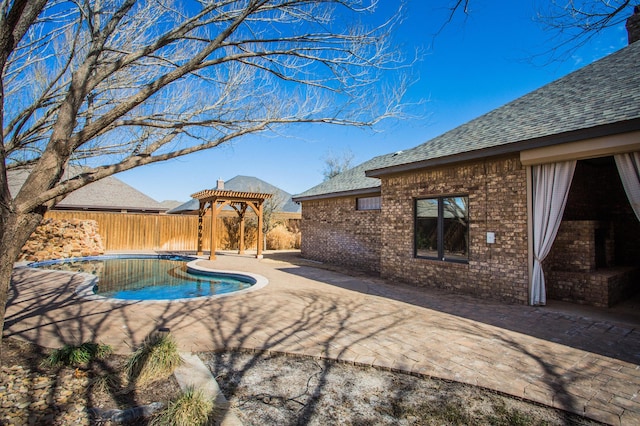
(583, 360)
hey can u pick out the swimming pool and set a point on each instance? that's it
(152, 277)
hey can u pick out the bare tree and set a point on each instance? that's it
(573, 23)
(270, 209)
(110, 85)
(335, 164)
(569, 23)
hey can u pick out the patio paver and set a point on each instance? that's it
(581, 360)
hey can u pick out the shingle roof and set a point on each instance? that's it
(253, 184)
(600, 99)
(350, 182)
(169, 204)
(108, 193)
(586, 103)
(247, 184)
(188, 206)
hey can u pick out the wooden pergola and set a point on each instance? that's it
(216, 200)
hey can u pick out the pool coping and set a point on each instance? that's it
(85, 288)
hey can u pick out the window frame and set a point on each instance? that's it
(440, 229)
(379, 207)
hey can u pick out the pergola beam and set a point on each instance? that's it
(217, 199)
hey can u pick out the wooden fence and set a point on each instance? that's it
(162, 232)
(133, 231)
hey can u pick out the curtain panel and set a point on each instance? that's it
(551, 183)
(629, 168)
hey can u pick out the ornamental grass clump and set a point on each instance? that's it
(280, 238)
(155, 360)
(106, 382)
(77, 355)
(191, 408)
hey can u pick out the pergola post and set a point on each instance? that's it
(201, 212)
(260, 232)
(241, 213)
(214, 220)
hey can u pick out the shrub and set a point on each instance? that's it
(191, 408)
(155, 360)
(280, 238)
(75, 355)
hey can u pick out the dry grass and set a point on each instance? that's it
(284, 236)
(191, 408)
(280, 238)
(155, 360)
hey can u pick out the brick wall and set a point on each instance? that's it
(603, 287)
(334, 231)
(581, 246)
(599, 230)
(597, 194)
(497, 203)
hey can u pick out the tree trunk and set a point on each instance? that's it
(15, 230)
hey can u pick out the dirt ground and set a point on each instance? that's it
(263, 390)
(284, 390)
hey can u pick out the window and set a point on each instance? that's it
(442, 228)
(368, 203)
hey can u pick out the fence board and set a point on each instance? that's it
(162, 232)
(133, 231)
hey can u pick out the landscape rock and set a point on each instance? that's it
(63, 238)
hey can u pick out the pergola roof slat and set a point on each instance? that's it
(229, 195)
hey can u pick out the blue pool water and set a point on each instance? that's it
(150, 277)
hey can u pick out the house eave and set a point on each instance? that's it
(514, 147)
(350, 193)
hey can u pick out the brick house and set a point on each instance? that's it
(468, 211)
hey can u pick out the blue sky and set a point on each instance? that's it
(473, 66)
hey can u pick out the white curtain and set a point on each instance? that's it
(551, 183)
(629, 169)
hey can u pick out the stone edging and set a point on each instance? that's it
(85, 289)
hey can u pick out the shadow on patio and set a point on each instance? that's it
(613, 332)
(541, 354)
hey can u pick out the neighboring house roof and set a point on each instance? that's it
(601, 99)
(247, 184)
(169, 204)
(351, 182)
(110, 194)
(190, 206)
(15, 179)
